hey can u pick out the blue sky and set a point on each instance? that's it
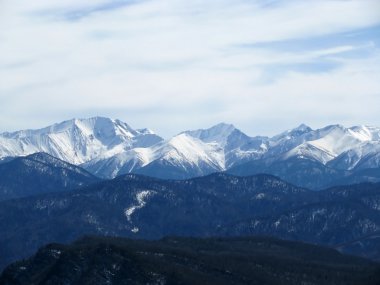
(170, 65)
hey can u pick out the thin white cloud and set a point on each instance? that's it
(182, 57)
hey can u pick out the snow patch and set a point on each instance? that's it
(141, 199)
(260, 196)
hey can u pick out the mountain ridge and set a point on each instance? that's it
(173, 260)
(108, 148)
(40, 173)
(219, 204)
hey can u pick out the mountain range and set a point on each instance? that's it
(107, 148)
(99, 176)
(346, 217)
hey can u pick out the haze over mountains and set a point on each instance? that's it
(107, 148)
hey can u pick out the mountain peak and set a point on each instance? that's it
(300, 129)
(334, 127)
(77, 140)
(303, 127)
(218, 133)
(292, 133)
(223, 126)
(146, 131)
(108, 146)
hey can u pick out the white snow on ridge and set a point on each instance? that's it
(191, 150)
(76, 141)
(109, 147)
(141, 199)
(216, 134)
(339, 140)
(366, 133)
(308, 150)
(333, 141)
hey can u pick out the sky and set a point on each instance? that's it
(173, 65)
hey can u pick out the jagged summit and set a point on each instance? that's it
(303, 128)
(218, 133)
(77, 140)
(297, 131)
(109, 147)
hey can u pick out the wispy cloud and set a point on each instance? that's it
(240, 61)
(81, 12)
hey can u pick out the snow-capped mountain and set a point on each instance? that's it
(78, 140)
(108, 148)
(330, 142)
(235, 146)
(320, 158)
(188, 154)
(182, 154)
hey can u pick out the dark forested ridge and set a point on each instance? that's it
(307, 173)
(135, 206)
(40, 173)
(261, 261)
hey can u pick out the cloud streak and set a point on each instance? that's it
(81, 12)
(263, 65)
